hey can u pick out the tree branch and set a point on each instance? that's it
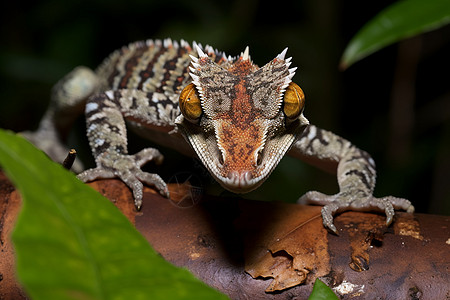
(284, 246)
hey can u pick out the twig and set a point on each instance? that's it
(68, 162)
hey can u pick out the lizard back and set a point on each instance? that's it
(152, 66)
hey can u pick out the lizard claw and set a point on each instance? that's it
(127, 168)
(389, 203)
(342, 202)
(327, 217)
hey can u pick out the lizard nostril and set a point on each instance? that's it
(221, 159)
(259, 157)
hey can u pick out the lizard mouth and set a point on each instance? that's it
(244, 180)
(236, 175)
(239, 181)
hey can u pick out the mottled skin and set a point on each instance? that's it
(238, 118)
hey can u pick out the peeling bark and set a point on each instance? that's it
(284, 246)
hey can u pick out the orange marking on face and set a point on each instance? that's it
(242, 142)
(241, 108)
(241, 133)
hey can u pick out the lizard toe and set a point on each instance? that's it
(388, 204)
(327, 216)
(95, 173)
(135, 185)
(154, 180)
(316, 198)
(146, 155)
(382, 204)
(401, 203)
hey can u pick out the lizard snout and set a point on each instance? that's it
(240, 179)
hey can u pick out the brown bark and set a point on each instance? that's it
(223, 240)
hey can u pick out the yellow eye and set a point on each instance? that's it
(294, 101)
(190, 105)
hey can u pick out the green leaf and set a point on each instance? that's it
(72, 243)
(322, 292)
(401, 20)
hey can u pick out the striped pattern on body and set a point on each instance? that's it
(152, 67)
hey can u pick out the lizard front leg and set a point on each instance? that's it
(356, 176)
(106, 131)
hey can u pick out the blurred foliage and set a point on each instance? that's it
(43, 40)
(72, 243)
(403, 19)
(322, 292)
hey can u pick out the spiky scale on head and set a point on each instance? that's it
(245, 55)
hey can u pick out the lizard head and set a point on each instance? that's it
(241, 119)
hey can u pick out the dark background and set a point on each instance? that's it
(395, 104)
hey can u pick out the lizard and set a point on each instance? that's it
(237, 118)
